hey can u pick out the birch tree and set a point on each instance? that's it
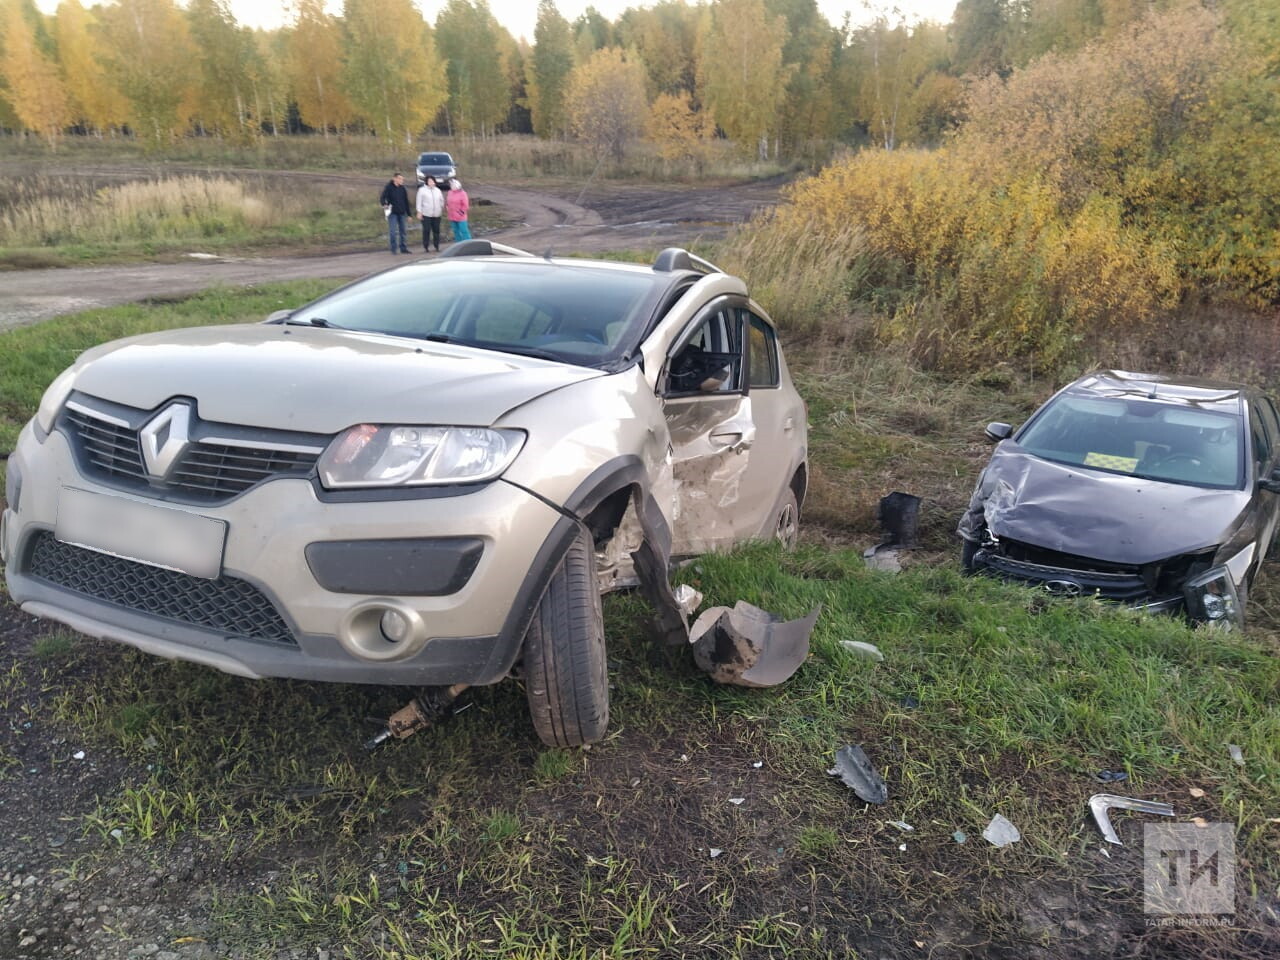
(147, 53)
(313, 58)
(34, 89)
(548, 69)
(741, 78)
(389, 50)
(95, 102)
(606, 102)
(471, 40)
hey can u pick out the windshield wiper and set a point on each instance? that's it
(314, 322)
(495, 347)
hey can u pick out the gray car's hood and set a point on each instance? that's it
(317, 380)
(1104, 516)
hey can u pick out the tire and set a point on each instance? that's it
(786, 522)
(967, 550)
(566, 678)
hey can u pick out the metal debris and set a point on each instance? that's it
(1100, 803)
(853, 767)
(750, 647)
(432, 704)
(863, 649)
(1000, 832)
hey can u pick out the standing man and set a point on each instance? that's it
(430, 209)
(395, 204)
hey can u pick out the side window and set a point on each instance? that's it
(763, 354)
(710, 361)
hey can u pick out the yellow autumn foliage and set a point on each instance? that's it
(1082, 200)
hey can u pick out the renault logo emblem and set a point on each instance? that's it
(1063, 588)
(164, 439)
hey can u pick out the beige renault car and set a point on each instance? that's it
(427, 477)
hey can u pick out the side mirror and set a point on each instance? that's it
(996, 432)
(280, 316)
(1272, 483)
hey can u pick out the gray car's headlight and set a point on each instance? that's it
(1211, 598)
(390, 456)
(54, 397)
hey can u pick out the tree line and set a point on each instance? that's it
(774, 76)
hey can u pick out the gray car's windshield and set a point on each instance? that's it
(1143, 438)
(583, 316)
(435, 160)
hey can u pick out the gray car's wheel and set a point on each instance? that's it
(566, 679)
(786, 522)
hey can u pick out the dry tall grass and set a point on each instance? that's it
(43, 212)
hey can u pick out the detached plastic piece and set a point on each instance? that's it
(900, 518)
(1001, 832)
(853, 767)
(750, 647)
(1100, 803)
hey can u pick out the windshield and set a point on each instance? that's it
(435, 160)
(584, 316)
(1142, 438)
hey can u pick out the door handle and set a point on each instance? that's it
(789, 423)
(735, 440)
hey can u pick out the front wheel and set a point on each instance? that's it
(566, 678)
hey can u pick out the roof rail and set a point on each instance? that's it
(677, 258)
(482, 248)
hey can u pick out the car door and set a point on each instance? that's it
(727, 481)
(778, 414)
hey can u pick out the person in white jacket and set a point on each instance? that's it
(430, 209)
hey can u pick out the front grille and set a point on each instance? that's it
(107, 448)
(1129, 587)
(211, 469)
(227, 605)
(217, 470)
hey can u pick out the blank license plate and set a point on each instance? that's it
(159, 536)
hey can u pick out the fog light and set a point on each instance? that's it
(383, 629)
(1215, 606)
(394, 626)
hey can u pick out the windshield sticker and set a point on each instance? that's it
(1108, 462)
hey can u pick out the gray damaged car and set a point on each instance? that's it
(1157, 492)
(425, 478)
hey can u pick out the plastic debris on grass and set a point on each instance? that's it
(1100, 803)
(1236, 754)
(1000, 832)
(855, 769)
(750, 647)
(868, 650)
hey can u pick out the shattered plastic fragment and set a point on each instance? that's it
(758, 764)
(1000, 832)
(750, 647)
(960, 836)
(853, 767)
(1110, 776)
(737, 801)
(1236, 754)
(688, 599)
(902, 846)
(78, 755)
(1196, 792)
(715, 852)
(862, 649)
(883, 557)
(901, 825)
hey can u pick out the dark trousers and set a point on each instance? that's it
(430, 228)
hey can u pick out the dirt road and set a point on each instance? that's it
(619, 218)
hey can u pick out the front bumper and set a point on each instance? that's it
(474, 624)
(1067, 582)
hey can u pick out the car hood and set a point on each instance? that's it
(318, 380)
(1099, 515)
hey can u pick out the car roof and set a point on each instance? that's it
(1188, 391)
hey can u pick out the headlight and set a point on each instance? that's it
(54, 397)
(1211, 598)
(389, 456)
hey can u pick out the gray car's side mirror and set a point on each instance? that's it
(1271, 483)
(996, 432)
